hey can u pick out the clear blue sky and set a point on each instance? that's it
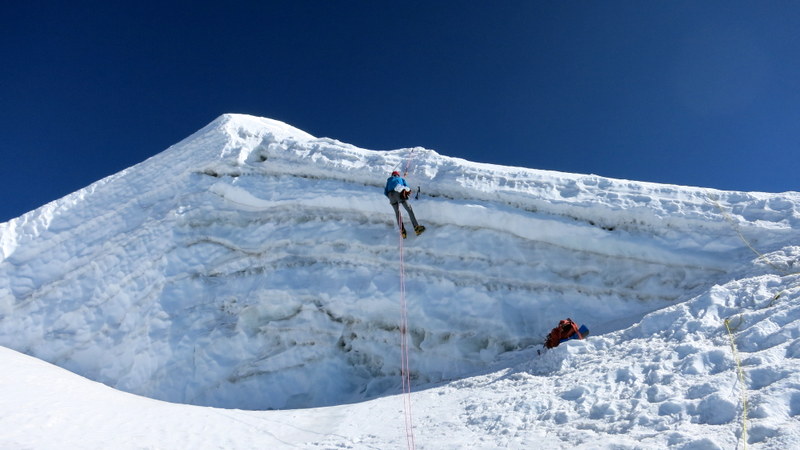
(700, 93)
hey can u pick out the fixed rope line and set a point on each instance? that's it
(741, 383)
(409, 158)
(761, 256)
(735, 227)
(405, 372)
(731, 329)
(404, 366)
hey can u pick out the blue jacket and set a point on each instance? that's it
(392, 183)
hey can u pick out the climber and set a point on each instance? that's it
(566, 329)
(397, 191)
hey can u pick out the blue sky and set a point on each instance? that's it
(699, 93)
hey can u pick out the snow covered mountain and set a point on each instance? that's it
(256, 267)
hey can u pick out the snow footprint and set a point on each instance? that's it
(764, 335)
(715, 410)
(763, 377)
(670, 409)
(793, 350)
(603, 411)
(706, 363)
(759, 434)
(641, 199)
(780, 204)
(625, 376)
(574, 394)
(569, 189)
(700, 391)
(794, 405)
(657, 394)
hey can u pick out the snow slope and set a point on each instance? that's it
(253, 266)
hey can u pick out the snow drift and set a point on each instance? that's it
(254, 266)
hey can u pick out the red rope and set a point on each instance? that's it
(408, 163)
(404, 367)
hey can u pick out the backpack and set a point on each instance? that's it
(566, 329)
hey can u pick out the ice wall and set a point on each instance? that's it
(255, 266)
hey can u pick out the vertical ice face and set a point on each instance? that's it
(255, 266)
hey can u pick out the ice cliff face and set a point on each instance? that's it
(255, 266)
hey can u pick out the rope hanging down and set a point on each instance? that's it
(404, 367)
(405, 374)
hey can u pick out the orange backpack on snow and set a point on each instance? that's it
(566, 329)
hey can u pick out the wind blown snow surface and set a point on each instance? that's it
(242, 290)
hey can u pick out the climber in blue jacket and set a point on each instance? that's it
(397, 191)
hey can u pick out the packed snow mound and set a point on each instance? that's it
(679, 378)
(255, 266)
(670, 381)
